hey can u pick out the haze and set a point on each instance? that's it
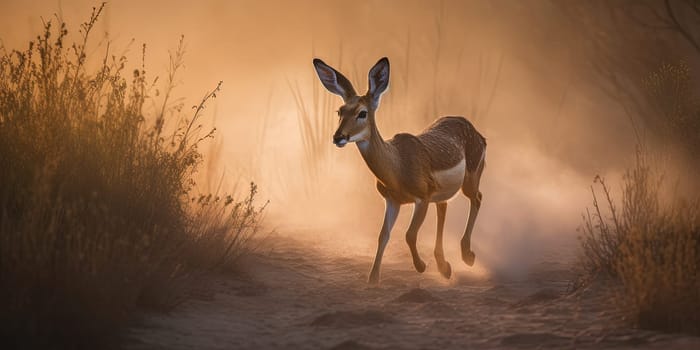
(549, 131)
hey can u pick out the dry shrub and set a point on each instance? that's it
(652, 246)
(96, 216)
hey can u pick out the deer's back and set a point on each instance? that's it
(449, 140)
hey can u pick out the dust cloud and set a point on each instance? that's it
(502, 65)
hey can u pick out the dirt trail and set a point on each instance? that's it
(302, 298)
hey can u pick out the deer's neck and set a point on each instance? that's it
(380, 157)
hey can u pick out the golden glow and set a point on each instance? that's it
(540, 157)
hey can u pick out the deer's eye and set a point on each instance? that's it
(362, 115)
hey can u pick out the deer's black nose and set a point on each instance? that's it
(339, 139)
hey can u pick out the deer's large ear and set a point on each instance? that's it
(333, 80)
(378, 80)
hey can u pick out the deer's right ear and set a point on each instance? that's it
(378, 80)
(333, 80)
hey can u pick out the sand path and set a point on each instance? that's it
(302, 298)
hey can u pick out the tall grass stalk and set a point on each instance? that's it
(315, 122)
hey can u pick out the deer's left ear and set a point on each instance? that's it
(378, 80)
(333, 80)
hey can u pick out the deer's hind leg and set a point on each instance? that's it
(443, 266)
(470, 188)
(419, 211)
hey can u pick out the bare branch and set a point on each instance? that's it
(679, 27)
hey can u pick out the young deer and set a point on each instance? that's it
(427, 168)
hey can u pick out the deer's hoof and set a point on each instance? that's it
(468, 257)
(445, 269)
(420, 265)
(373, 279)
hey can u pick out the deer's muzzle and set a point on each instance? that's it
(339, 139)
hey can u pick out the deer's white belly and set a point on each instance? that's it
(449, 181)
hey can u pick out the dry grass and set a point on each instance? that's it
(316, 123)
(652, 246)
(96, 208)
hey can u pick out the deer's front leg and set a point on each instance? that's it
(419, 211)
(390, 214)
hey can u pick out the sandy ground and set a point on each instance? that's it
(297, 296)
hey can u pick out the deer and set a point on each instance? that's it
(430, 167)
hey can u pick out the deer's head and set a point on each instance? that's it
(357, 112)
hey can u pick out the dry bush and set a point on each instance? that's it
(95, 210)
(652, 246)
